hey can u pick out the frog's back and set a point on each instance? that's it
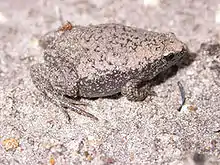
(106, 47)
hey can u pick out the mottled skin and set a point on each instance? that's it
(103, 60)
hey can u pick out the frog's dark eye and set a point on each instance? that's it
(169, 57)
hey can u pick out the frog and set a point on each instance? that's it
(102, 60)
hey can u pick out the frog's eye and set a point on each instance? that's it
(169, 57)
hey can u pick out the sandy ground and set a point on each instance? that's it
(34, 131)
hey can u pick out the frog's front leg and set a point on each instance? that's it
(48, 81)
(135, 90)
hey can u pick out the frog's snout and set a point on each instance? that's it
(185, 48)
(184, 51)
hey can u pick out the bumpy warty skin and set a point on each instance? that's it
(98, 60)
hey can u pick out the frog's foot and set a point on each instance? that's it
(134, 90)
(65, 102)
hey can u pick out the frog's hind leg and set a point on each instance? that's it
(40, 77)
(65, 102)
(136, 90)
